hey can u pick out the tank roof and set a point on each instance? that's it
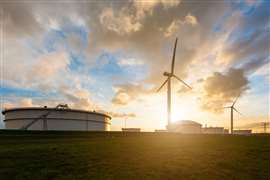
(186, 122)
(56, 109)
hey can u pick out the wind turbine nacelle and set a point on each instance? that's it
(167, 74)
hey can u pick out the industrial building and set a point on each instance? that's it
(59, 118)
(214, 130)
(131, 129)
(161, 130)
(243, 132)
(186, 127)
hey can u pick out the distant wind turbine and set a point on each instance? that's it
(170, 75)
(233, 109)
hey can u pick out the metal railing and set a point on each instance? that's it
(44, 117)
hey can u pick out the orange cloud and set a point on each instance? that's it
(129, 92)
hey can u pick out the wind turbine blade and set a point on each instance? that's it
(237, 111)
(235, 100)
(227, 107)
(182, 81)
(173, 59)
(162, 85)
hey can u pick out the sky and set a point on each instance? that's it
(109, 56)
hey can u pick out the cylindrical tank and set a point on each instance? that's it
(36, 118)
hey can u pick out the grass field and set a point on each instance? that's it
(97, 155)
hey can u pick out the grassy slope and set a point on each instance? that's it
(65, 155)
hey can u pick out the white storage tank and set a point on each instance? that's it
(58, 118)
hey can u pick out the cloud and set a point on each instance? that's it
(220, 89)
(209, 33)
(263, 71)
(127, 93)
(120, 22)
(77, 97)
(130, 62)
(118, 115)
(49, 73)
(44, 72)
(173, 28)
(212, 38)
(255, 64)
(122, 98)
(122, 115)
(149, 43)
(8, 105)
(148, 6)
(184, 90)
(28, 65)
(47, 66)
(19, 20)
(190, 19)
(26, 102)
(23, 102)
(130, 19)
(170, 3)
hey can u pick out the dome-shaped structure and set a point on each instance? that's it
(186, 126)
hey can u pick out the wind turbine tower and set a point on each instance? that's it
(169, 76)
(232, 108)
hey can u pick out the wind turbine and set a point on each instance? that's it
(233, 109)
(170, 75)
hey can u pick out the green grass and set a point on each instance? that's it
(99, 155)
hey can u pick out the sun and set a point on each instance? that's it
(184, 110)
(178, 113)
